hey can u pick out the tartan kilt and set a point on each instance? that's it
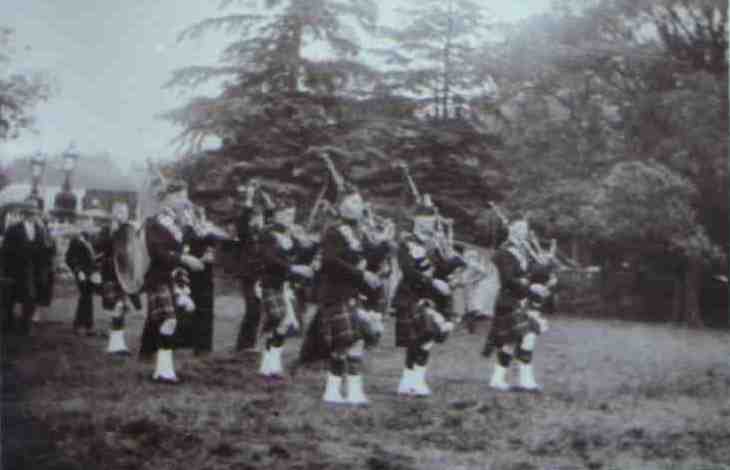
(410, 326)
(160, 303)
(313, 348)
(273, 306)
(336, 329)
(510, 327)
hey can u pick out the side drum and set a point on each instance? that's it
(131, 258)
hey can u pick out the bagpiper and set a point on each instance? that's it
(344, 281)
(278, 255)
(514, 330)
(423, 301)
(165, 280)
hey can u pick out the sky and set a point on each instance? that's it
(110, 60)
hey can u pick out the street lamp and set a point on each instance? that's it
(37, 167)
(65, 203)
(70, 157)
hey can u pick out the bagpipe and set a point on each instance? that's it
(130, 250)
(376, 228)
(443, 239)
(532, 244)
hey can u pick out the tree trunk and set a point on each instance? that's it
(691, 298)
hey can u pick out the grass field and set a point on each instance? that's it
(617, 395)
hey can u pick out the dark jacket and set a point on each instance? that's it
(513, 280)
(80, 256)
(341, 277)
(24, 261)
(276, 260)
(196, 245)
(418, 270)
(104, 246)
(164, 251)
(250, 263)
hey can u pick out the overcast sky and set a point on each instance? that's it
(110, 60)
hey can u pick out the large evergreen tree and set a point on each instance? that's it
(275, 98)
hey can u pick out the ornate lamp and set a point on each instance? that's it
(65, 203)
(37, 168)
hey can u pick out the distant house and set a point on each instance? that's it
(97, 182)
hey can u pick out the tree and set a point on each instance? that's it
(663, 66)
(434, 53)
(278, 105)
(597, 90)
(19, 93)
(648, 207)
(267, 79)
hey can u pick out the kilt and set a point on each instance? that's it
(160, 307)
(160, 303)
(336, 328)
(410, 326)
(510, 327)
(313, 348)
(273, 306)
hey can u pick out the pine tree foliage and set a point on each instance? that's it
(434, 56)
(267, 59)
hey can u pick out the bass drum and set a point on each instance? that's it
(131, 258)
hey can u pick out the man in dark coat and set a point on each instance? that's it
(81, 259)
(47, 271)
(24, 254)
(249, 226)
(201, 244)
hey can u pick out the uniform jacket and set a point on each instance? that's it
(277, 253)
(513, 277)
(343, 263)
(164, 245)
(417, 266)
(250, 263)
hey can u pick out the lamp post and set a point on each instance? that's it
(37, 167)
(65, 203)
